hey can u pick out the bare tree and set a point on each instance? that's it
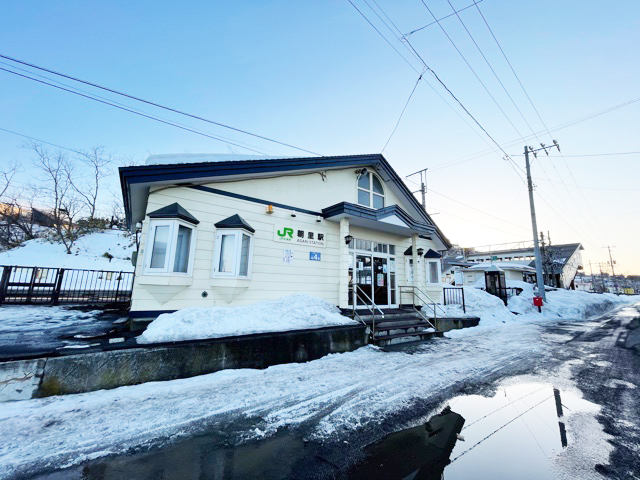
(98, 164)
(6, 179)
(55, 168)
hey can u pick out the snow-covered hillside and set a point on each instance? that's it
(87, 253)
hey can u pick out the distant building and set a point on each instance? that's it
(560, 263)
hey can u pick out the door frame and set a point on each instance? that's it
(364, 253)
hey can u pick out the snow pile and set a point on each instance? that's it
(489, 308)
(570, 304)
(293, 312)
(87, 253)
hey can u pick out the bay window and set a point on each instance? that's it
(232, 254)
(170, 247)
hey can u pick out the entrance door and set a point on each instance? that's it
(380, 281)
(364, 279)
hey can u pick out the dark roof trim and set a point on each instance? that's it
(188, 172)
(174, 211)
(376, 215)
(235, 221)
(253, 199)
(432, 254)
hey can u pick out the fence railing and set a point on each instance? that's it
(504, 292)
(53, 286)
(454, 296)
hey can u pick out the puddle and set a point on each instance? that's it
(517, 433)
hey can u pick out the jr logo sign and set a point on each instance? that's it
(300, 236)
(286, 232)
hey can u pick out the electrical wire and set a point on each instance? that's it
(402, 113)
(472, 70)
(151, 117)
(407, 35)
(174, 110)
(41, 141)
(258, 150)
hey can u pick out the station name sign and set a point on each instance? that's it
(299, 236)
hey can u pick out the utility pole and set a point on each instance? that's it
(534, 223)
(593, 288)
(613, 272)
(423, 185)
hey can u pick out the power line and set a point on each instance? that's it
(511, 67)
(561, 126)
(407, 35)
(402, 113)
(416, 55)
(41, 141)
(156, 104)
(472, 69)
(229, 140)
(431, 190)
(491, 68)
(127, 109)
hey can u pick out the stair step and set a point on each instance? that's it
(401, 325)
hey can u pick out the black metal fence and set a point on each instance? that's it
(454, 296)
(504, 293)
(53, 286)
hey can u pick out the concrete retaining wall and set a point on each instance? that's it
(446, 324)
(145, 363)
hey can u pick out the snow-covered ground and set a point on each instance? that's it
(336, 394)
(293, 312)
(87, 253)
(23, 318)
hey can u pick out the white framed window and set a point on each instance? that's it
(170, 247)
(233, 254)
(433, 271)
(370, 191)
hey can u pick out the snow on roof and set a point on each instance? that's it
(176, 158)
(503, 266)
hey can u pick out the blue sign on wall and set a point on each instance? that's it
(314, 256)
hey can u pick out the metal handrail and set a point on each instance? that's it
(372, 308)
(431, 301)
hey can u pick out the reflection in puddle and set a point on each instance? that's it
(421, 452)
(514, 434)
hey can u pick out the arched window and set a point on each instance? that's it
(370, 191)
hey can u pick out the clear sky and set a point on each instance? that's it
(318, 76)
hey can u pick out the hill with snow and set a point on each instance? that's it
(89, 252)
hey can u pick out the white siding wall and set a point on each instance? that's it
(271, 277)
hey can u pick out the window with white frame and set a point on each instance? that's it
(370, 191)
(170, 247)
(433, 271)
(233, 253)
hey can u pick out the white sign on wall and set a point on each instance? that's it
(299, 236)
(287, 256)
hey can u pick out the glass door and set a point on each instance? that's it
(364, 279)
(380, 281)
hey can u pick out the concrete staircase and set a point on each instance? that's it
(398, 326)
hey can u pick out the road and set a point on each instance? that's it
(318, 419)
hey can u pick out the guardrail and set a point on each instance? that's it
(53, 286)
(454, 296)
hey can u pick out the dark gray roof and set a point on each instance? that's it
(235, 221)
(174, 211)
(560, 255)
(432, 254)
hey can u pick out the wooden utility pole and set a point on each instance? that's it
(534, 223)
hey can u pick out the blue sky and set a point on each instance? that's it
(318, 76)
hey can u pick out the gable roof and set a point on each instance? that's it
(136, 181)
(175, 210)
(235, 221)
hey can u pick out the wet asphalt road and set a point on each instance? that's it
(602, 356)
(610, 377)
